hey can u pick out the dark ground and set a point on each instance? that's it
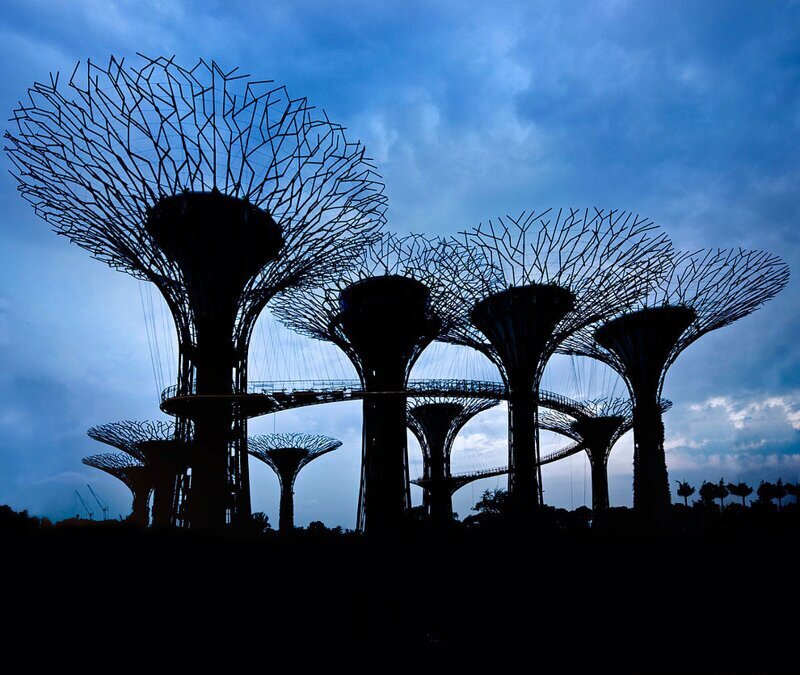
(707, 595)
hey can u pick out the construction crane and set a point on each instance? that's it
(103, 506)
(85, 507)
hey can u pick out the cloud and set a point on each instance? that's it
(734, 465)
(750, 413)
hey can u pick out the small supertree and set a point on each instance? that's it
(218, 189)
(152, 443)
(451, 484)
(436, 421)
(741, 490)
(136, 475)
(286, 454)
(546, 275)
(685, 491)
(698, 292)
(382, 313)
(596, 425)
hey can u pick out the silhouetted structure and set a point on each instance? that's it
(697, 293)
(155, 445)
(286, 454)
(446, 487)
(288, 394)
(382, 314)
(220, 191)
(596, 429)
(549, 275)
(436, 421)
(137, 476)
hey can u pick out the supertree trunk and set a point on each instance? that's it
(600, 501)
(210, 498)
(650, 479)
(385, 460)
(164, 498)
(140, 513)
(286, 517)
(523, 453)
(440, 500)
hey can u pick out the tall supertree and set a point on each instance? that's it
(436, 421)
(382, 314)
(596, 429)
(697, 293)
(155, 445)
(220, 190)
(549, 274)
(286, 454)
(137, 476)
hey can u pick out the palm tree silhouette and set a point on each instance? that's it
(742, 490)
(685, 490)
(708, 493)
(794, 490)
(721, 493)
(766, 492)
(780, 492)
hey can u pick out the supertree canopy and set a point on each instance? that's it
(153, 444)
(436, 421)
(697, 293)
(136, 475)
(595, 427)
(382, 312)
(220, 190)
(286, 454)
(548, 274)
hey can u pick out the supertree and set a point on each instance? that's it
(596, 428)
(382, 313)
(436, 421)
(452, 483)
(549, 274)
(286, 454)
(155, 445)
(221, 191)
(137, 476)
(698, 292)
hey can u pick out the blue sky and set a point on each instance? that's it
(687, 112)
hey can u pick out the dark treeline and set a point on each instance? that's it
(601, 590)
(767, 494)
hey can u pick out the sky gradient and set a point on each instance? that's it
(687, 113)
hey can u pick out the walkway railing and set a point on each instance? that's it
(562, 453)
(289, 394)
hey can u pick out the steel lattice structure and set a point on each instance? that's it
(436, 421)
(286, 454)
(697, 293)
(136, 475)
(596, 433)
(382, 314)
(535, 280)
(454, 483)
(220, 190)
(153, 443)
